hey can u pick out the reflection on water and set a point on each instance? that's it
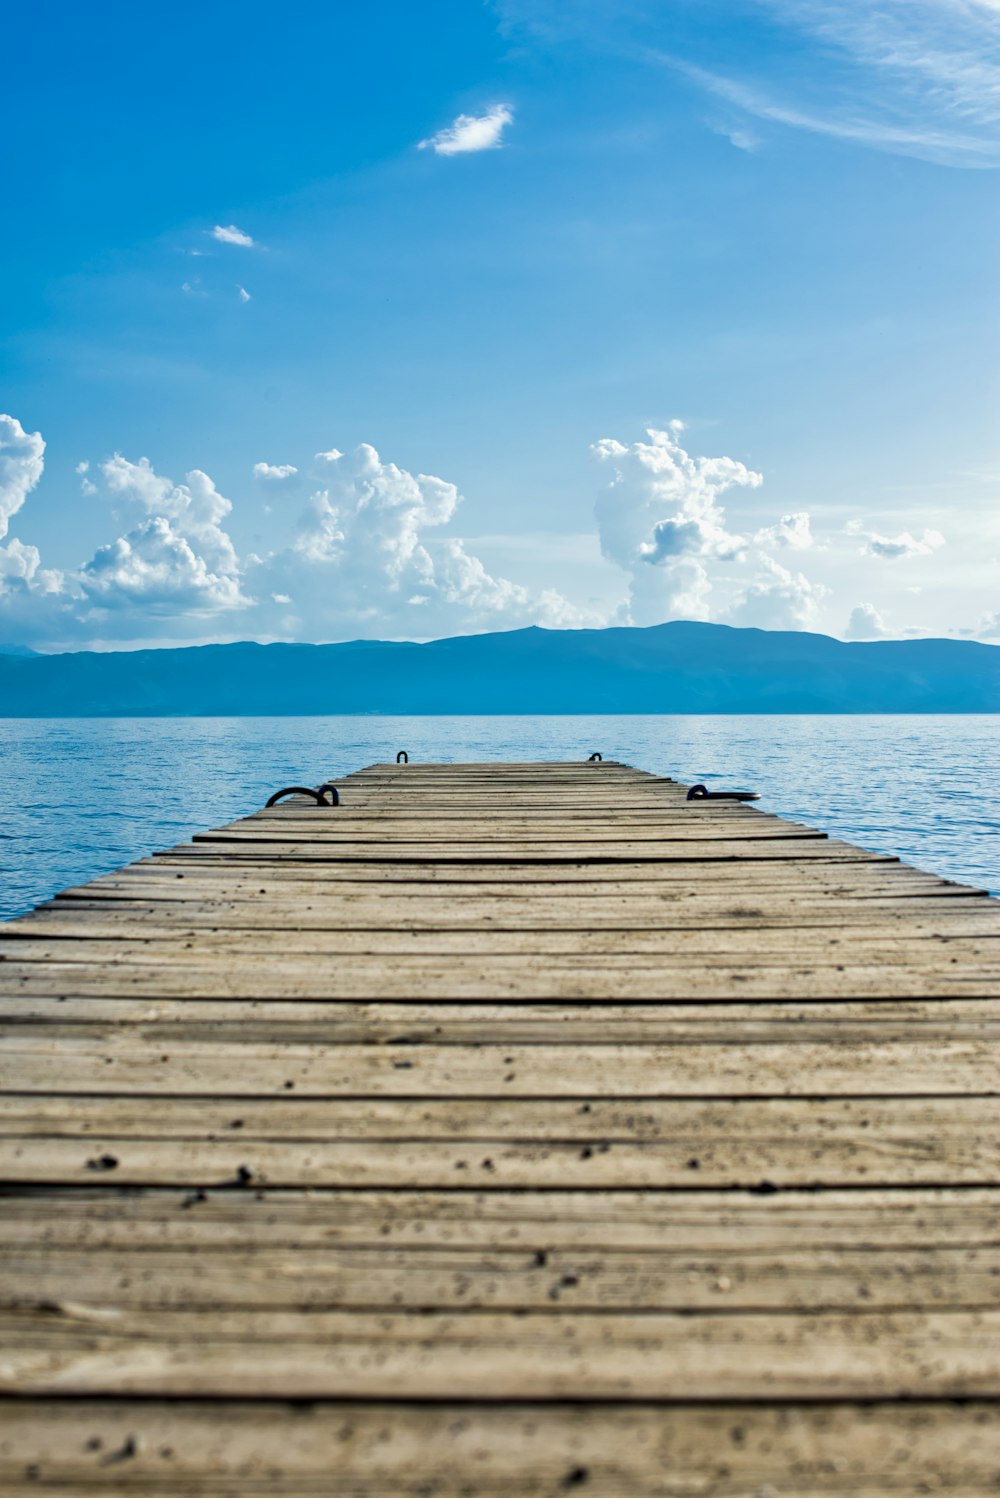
(82, 796)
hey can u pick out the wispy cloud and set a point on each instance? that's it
(917, 78)
(914, 77)
(243, 294)
(470, 132)
(938, 143)
(230, 234)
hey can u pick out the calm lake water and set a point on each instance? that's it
(82, 796)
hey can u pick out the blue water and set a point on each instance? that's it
(82, 796)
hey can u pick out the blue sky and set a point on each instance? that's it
(239, 244)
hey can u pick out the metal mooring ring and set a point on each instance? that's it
(702, 793)
(402, 758)
(595, 757)
(319, 796)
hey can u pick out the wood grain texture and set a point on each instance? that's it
(457, 1450)
(643, 1138)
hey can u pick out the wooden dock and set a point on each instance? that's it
(509, 1129)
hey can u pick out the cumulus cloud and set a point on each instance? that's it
(363, 560)
(22, 459)
(865, 623)
(777, 599)
(274, 473)
(791, 530)
(902, 545)
(157, 569)
(470, 132)
(243, 294)
(230, 234)
(660, 519)
(179, 559)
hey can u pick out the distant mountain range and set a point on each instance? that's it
(669, 668)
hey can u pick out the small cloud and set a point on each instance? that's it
(740, 137)
(82, 466)
(333, 456)
(903, 545)
(470, 132)
(193, 287)
(865, 623)
(242, 293)
(791, 530)
(274, 473)
(230, 234)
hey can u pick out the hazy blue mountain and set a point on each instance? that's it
(16, 650)
(670, 668)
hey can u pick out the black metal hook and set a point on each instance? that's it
(319, 796)
(402, 758)
(702, 793)
(595, 757)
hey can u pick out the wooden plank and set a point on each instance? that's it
(461, 1451)
(670, 948)
(849, 1280)
(751, 1144)
(513, 980)
(737, 1068)
(75, 1349)
(100, 1216)
(320, 1022)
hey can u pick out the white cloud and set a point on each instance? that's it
(470, 132)
(904, 544)
(243, 294)
(178, 560)
(157, 569)
(660, 519)
(914, 77)
(917, 78)
(82, 467)
(22, 459)
(777, 599)
(274, 473)
(362, 560)
(865, 623)
(230, 234)
(791, 530)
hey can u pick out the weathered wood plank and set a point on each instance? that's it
(757, 1145)
(73, 1349)
(741, 1068)
(462, 1451)
(320, 1022)
(460, 1279)
(508, 979)
(100, 1216)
